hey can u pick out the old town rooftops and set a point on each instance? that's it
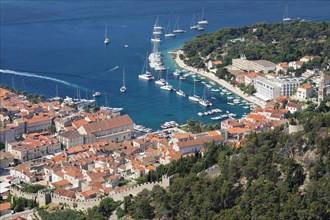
(108, 124)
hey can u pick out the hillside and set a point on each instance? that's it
(273, 176)
(276, 42)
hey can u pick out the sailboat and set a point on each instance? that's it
(203, 101)
(286, 15)
(203, 21)
(160, 80)
(168, 32)
(57, 97)
(157, 27)
(106, 39)
(146, 75)
(194, 97)
(177, 28)
(193, 25)
(167, 86)
(123, 87)
(179, 92)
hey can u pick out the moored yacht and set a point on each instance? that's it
(146, 75)
(96, 94)
(203, 21)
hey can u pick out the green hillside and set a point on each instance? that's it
(273, 176)
(277, 42)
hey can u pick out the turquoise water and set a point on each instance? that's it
(63, 41)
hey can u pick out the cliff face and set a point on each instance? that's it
(274, 175)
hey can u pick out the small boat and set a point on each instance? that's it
(203, 21)
(179, 92)
(157, 26)
(213, 98)
(200, 113)
(204, 102)
(177, 29)
(222, 93)
(182, 78)
(106, 39)
(168, 32)
(146, 75)
(200, 28)
(176, 72)
(160, 80)
(123, 87)
(167, 86)
(286, 15)
(230, 103)
(245, 106)
(96, 94)
(126, 45)
(194, 97)
(215, 90)
(216, 118)
(193, 25)
(197, 80)
(156, 40)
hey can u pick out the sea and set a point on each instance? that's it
(46, 45)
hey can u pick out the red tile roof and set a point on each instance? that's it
(108, 124)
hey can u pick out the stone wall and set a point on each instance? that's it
(45, 198)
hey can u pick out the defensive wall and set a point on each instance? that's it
(43, 197)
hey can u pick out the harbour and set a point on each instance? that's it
(68, 51)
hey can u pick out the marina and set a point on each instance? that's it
(68, 50)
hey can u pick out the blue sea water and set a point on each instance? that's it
(62, 41)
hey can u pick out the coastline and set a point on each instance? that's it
(220, 82)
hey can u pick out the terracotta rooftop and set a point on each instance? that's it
(64, 192)
(199, 141)
(108, 124)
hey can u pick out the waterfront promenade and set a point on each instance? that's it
(221, 82)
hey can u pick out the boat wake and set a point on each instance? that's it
(27, 74)
(113, 69)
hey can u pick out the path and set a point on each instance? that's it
(221, 82)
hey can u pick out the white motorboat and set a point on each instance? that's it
(96, 94)
(176, 72)
(200, 28)
(215, 90)
(123, 87)
(106, 38)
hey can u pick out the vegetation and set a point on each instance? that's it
(34, 98)
(101, 212)
(248, 89)
(18, 204)
(2, 146)
(274, 175)
(277, 42)
(33, 188)
(61, 215)
(194, 126)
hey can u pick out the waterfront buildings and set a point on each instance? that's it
(257, 65)
(268, 89)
